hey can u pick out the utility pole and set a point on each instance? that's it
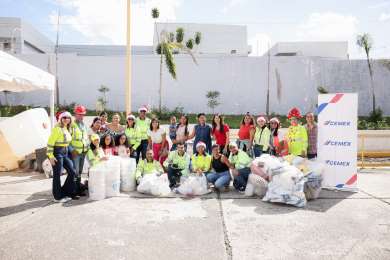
(56, 55)
(268, 80)
(128, 61)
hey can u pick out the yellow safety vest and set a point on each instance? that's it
(59, 137)
(134, 137)
(80, 139)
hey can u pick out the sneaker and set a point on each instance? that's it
(75, 197)
(65, 200)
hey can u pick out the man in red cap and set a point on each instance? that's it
(296, 135)
(79, 145)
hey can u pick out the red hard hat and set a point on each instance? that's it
(79, 109)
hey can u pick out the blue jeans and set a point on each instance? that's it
(63, 161)
(220, 179)
(241, 180)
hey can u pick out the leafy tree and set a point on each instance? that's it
(103, 99)
(198, 38)
(212, 101)
(166, 48)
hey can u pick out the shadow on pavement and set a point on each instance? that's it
(36, 200)
(326, 200)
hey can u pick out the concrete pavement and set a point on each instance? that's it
(339, 225)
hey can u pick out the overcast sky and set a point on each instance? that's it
(268, 21)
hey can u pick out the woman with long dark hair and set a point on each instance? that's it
(96, 127)
(157, 141)
(274, 147)
(246, 133)
(57, 152)
(220, 132)
(133, 136)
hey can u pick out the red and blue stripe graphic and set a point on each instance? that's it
(335, 99)
(351, 181)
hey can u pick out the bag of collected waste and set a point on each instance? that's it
(287, 187)
(313, 184)
(113, 176)
(128, 167)
(193, 185)
(256, 185)
(269, 164)
(97, 182)
(154, 184)
(47, 168)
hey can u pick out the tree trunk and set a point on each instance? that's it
(372, 82)
(160, 90)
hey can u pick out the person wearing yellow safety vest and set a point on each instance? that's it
(177, 165)
(142, 124)
(57, 152)
(79, 145)
(148, 166)
(95, 153)
(296, 136)
(261, 138)
(133, 136)
(240, 165)
(201, 161)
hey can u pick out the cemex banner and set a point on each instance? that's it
(337, 139)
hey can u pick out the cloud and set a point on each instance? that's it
(328, 27)
(379, 5)
(384, 17)
(231, 4)
(104, 21)
(260, 44)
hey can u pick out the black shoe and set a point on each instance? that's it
(82, 194)
(75, 197)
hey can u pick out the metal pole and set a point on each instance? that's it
(128, 61)
(268, 80)
(57, 88)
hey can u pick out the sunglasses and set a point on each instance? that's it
(65, 117)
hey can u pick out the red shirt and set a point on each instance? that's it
(244, 132)
(220, 137)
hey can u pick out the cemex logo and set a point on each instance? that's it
(337, 123)
(337, 163)
(337, 143)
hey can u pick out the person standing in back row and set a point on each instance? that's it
(79, 146)
(312, 132)
(142, 125)
(202, 133)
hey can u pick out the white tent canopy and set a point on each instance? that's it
(19, 76)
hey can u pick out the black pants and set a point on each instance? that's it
(141, 149)
(311, 155)
(63, 161)
(173, 176)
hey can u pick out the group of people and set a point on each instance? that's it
(214, 155)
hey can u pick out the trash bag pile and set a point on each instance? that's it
(193, 185)
(154, 184)
(292, 179)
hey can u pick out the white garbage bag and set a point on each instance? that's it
(113, 175)
(154, 184)
(256, 186)
(287, 187)
(313, 184)
(47, 168)
(194, 185)
(271, 163)
(128, 167)
(97, 182)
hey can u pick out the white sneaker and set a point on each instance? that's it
(65, 199)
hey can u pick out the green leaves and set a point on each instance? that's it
(198, 38)
(190, 44)
(166, 49)
(179, 35)
(155, 13)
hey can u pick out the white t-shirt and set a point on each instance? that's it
(156, 136)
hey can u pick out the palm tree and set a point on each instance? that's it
(166, 48)
(365, 41)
